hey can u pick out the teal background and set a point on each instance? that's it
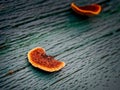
(90, 46)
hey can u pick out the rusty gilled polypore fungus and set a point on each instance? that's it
(38, 58)
(88, 10)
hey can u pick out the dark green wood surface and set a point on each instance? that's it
(90, 46)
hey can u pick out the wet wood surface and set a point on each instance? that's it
(90, 46)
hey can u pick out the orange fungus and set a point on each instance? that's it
(88, 10)
(38, 58)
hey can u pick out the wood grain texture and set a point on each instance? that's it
(90, 46)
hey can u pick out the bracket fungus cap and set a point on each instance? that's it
(88, 10)
(38, 58)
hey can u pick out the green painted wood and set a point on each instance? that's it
(90, 46)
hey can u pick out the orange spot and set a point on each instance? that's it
(10, 72)
(88, 10)
(38, 58)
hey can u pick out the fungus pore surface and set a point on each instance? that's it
(38, 58)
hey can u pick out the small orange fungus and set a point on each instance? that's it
(88, 10)
(38, 58)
